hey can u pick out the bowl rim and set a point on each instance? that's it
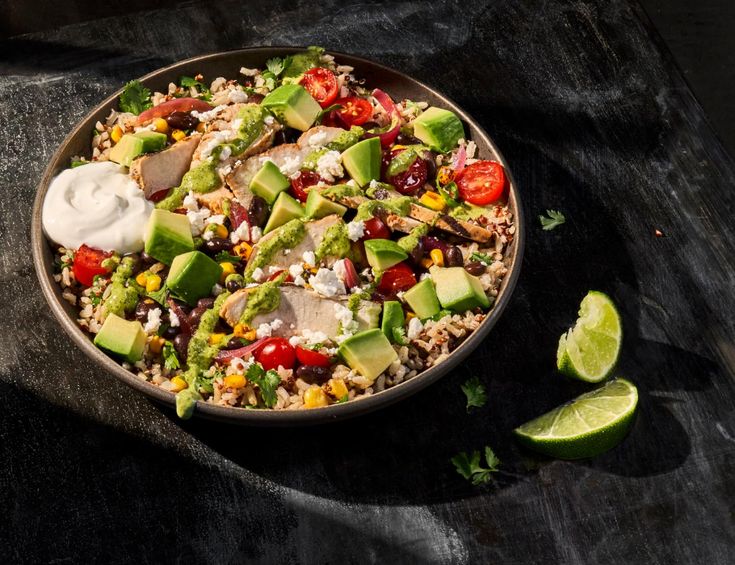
(276, 418)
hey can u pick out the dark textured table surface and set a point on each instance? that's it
(595, 121)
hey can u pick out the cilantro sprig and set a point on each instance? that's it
(225, 257)
(189, 82)
(399, 336)
(482, 258)
(471, 468)
(552, 219)
(135, 98)
(170, 360)
(475, 392)
(267, 382)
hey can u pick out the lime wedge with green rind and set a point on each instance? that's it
(587, 426)
(589, 350)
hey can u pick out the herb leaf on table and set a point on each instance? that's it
(552, 219)
(471, 468)
(475, 392)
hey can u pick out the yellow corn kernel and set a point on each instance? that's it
(116, 133)
(251, 335)
(336, 388)
(215, 338)
(315, 397)
(437, 257)
(445, 175)
(235, 381)
(156, 344)
(227, 269)
(409, 316)
(200, 127)
(179, 384)
(142, 278)
(240, 330)
(152, 283)
(433, 200)
(178, 135)
(221, 231)
(160, 125)
(426, 263)
(243, 250)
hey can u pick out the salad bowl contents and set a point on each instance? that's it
(288, 238)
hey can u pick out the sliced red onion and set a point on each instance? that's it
(388, 137)
(181, 315)
(352, 279)
(227, 355)
(238, 214)
(459, 159)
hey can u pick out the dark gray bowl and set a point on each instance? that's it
(228, 64)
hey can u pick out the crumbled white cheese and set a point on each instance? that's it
(295, 270)
(329, 166)
(345, 318)
(295, 340)
(340, 270)
(190, 202)
(237, 96)
(218, 138)
(312, 337)
(225, 153)
(216, 219)
(326, 283)
(352, 183)
(196, 219)
(217, 289)
(317, 139)
(268, 120)
(238, 365)
(471, 149)
(355, 230)
(373, 184)
(209, 115)
(255, 234)
(258, 275)
(309, 258)
(153, 322)
(266, 330)
(173, 319)
(208, 235)
(272, 270)
(414, 328)
(291, 166)
(241, 233)
(248, 72)
(299, 281)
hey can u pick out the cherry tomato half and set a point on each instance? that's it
(275, 352)
(87, 264)
(481, 183)
(311, 357)
(355, 111)
(397, 278)
(410, 180)
(321, 84)
(277, 274)
(375, 229)
(301, 182)
(175, 105)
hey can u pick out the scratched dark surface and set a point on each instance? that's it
(595, 121)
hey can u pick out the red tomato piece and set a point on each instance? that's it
(277, 274)
(88, 264)
(311, 357)
(481, 183)
(174, 105)
(275, 352)
(302, 181)
(355, 111)
(321, 84)
(375, 229)
(397, 278)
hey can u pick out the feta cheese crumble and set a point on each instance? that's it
(329, 166)
(309, 258)
(153, 322)
(326, 283)
(414, 328)
(355, 230)
(258, 275)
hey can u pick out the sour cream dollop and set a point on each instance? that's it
(99, 205)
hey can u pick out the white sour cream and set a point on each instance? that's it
(96, 204)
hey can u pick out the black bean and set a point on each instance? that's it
(206, 303)
(181, 120)
(147, 259)
(181, 345)
(144, 306)
(475, 268)
(255, 98)
(257, 212)
(417, 253)
(291, 135)
(313, 374)
(195, 316)
(404, 139)
(453, 257)
(430, 159)
(233, 285)
(234, 343)
(217, 244)
(171, 332)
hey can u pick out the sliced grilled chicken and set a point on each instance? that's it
(163, 170)
(214, 200)
(318, 136)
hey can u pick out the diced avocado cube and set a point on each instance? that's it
(122, 338)
(392, 318)
(192, 276)
(292, 105)
(369, 353)
(457, 290)
(383, 253)
(422, 299)
(318, 207)
(362, 160)
(439, 129)
(367, 315)
(133, 144)
(269, 182)
(285, 209)
(168, 234)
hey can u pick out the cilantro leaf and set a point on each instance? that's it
(482, 258)
(135, 98)
(188, 82)
(470, 467)
(75, 164)
(170, 360)
(449, 192)
(399, 336)
(276, 65)
(224, 257)
(475, 392)
(159, 295)
(345, 398)
(553, 220)
(267, 382)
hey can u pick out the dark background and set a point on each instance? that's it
(596, 120)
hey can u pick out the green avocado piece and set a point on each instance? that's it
(167, 235)
(292, 105)
(439, 129)
(269, 182)
(285, 209)
(457, 290)
(392, 318)
(362, 160)
(383, 253)
(133, 144)
(122, 338)
(422, 299)
(369, 353)
(192, 276)
(317, 206)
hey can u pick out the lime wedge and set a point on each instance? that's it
(589, 350)
(588, 425)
